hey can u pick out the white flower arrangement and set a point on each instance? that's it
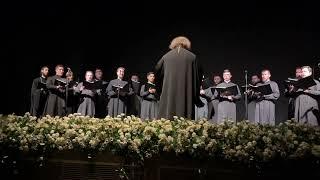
(241, 141)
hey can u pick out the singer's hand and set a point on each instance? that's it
(291, 88)
(202, 91)
(225, 97)
(307, 91)
(230, 98)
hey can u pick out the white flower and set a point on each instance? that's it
(137, 141)
(194, 134)
(239, 147)
(128, 135)
(170, 139)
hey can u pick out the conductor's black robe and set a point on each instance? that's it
(39, 96)
(179, 75)
(55, 105)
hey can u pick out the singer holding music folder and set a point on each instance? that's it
(101, 99)
(202, 112)
(306, 104)
(228, 93)
(252, 97)
(213, 101)
(55, 105)
(118, 91)
(150, 104)
(290, 93)
(39, 93)
(135, 99)
(267, 93)
(88, 93)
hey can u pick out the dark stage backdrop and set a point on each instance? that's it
(238, 36)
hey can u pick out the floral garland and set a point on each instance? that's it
(129, 136)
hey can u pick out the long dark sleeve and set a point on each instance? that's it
(143, 93)
(238, 96)
(34, 86)
(50, 83)
(196, 84)
(110, 92)
(159, 73)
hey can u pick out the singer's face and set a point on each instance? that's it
(255, 79)
(227, 76)
(306, 72)
(265, 76)
(134, 78)
(298, 73)
(59, 71)
(70, 78)
(217, 79)
(98, 74)
(45, 71)
(120, 73)
(151, 78)
(89, 76)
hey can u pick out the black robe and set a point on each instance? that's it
(39, 94)
(73, 98)
(134, 107)
(101, 99)
(180, 81)
(55, 105)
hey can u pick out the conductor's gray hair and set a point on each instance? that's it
(180, 41)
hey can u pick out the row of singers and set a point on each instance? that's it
(58, 96)
(220, 98)
(95, 97)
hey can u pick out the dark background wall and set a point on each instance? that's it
(242, 35)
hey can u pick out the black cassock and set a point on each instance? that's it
(73, 98)
(55, 105)
(39, 94)
(135, 100)
(101, 98)
(180, 80)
